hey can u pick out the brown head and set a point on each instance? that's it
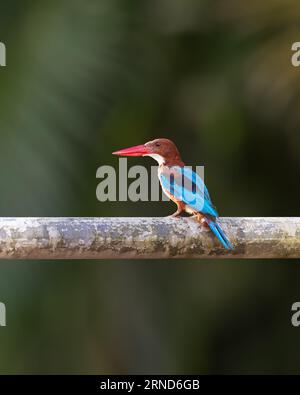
(164, 151)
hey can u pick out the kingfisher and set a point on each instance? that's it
(181, 184)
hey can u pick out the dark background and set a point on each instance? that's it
(85, 78)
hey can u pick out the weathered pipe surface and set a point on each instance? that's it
(140, 238)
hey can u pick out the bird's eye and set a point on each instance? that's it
(157, 144)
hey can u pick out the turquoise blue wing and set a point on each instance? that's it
(188, 187)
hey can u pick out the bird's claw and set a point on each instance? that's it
(177, 214)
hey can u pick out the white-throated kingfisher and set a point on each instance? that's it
(181, 184)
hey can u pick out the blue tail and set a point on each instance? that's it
(217, 230)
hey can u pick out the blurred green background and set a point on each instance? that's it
(85, 78)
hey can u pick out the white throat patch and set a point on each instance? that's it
(159, 159)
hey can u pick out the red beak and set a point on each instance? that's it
(137, 150)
